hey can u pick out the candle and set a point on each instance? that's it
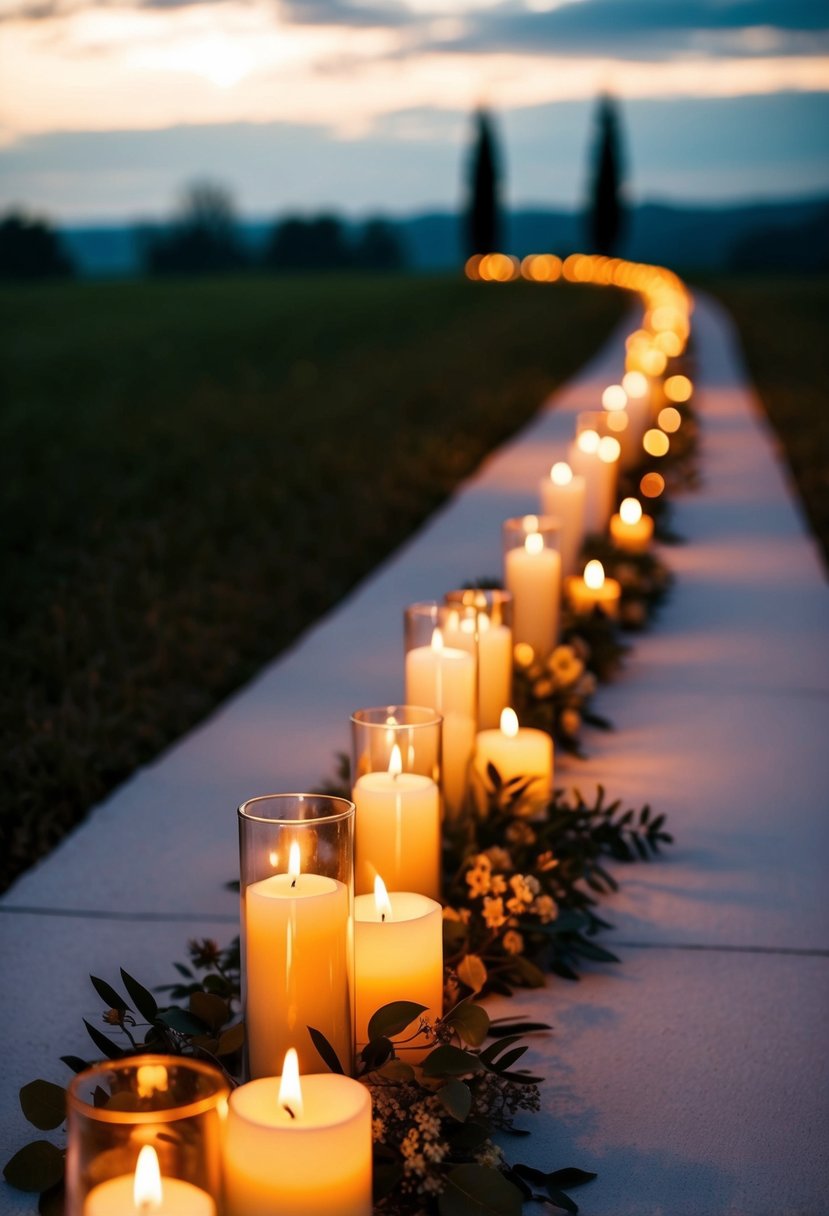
(516, 752)
(594, 591)
(532, 573)
(302, 1148)
(145, 1192)
(443, 678)
(397, 829)
(398, 952)
(494, 669)
(563, 495)
(638, 389)
(594, 457)
(296, 929)
(630, 529)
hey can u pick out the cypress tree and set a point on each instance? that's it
(483, 220)
(605, 219)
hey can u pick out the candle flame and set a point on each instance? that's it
(614, 397)
(381, 899)
(635, 384)
(147, 1195)
(391, 720)
(609, 449)
(534, 543)
(294, 867)
(290, 1090)
(151, 1079)
(395, 762)
(594, 575)
(561, 474)
(630, 511)
(509, 723)
(437, 640)
(588, 441)
(530, 523)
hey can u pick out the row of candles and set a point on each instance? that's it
(324, 942)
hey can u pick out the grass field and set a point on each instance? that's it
(783, 328)
(190, 473)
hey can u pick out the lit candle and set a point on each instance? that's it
(638, 390)
(397, 829)
(563, 495)
(532, 573)
(516, 752)
(494, 669)
(594, 591)
(146, 1193)
(443, 678)
(630, 529)
(296, 929)
(302, 1148)
(398, 956)
(595, 457)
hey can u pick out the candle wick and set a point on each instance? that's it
(382, 918)
(290, 1112)
(293, 884)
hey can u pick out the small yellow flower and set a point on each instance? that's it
(494, 914)
(570, 721)
(513, 942)
(545, 908)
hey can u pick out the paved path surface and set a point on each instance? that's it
(694, 1077)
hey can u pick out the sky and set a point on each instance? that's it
(108, 108)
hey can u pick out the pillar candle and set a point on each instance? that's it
(397, 830)
(594, 591)
(494, 670)
(443, 678)
(398, 956)
(146, 1191)
(303, 1151)
(296, 929)
(532, 573)
(630, 529)
(563, 495)
(516, 752)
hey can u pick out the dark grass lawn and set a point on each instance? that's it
(191, 473)
(784, 329)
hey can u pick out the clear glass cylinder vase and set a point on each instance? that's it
(396, 751)
(144, 1134)
(441, 674)
(297, 914)
(491, 610)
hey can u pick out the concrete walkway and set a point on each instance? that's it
(694, 1077)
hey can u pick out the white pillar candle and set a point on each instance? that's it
(516, 752)
(563, 495)
(630, 529)
(494, 670)
(593, 590)
(146, 1192)
(532, 573)
(638, 389)
(397, 830)
(443, 678)
(295, 941)
(599, 479)
(398, 956)
(300, 1148)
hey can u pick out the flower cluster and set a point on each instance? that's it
(554, 695)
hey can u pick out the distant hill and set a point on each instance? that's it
(791, 234)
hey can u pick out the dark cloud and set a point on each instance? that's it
(649, 28)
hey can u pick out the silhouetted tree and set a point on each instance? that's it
(605, 217)
(378, 247)
(300, 244)
(483, 218)
(204, 237)
(31, 249)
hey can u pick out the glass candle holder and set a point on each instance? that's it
(396, 767)
(492, 627)
(144, 1134)
(532, 573)
(297, 891)
(441, 675)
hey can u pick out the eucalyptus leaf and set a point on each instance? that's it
(111, 998)
(448, 1061)
(231, 1040)
(181, 1020)
(470, 1021)
(396, 1070)
(36, 1167)
(210, 1009)
(393, 1019)
(43, 1104)
(326, 1051)
(103, 1042)
(476, 1190)
(52, 1202)
(457, 1099)
(472, 972)
(140, 996)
